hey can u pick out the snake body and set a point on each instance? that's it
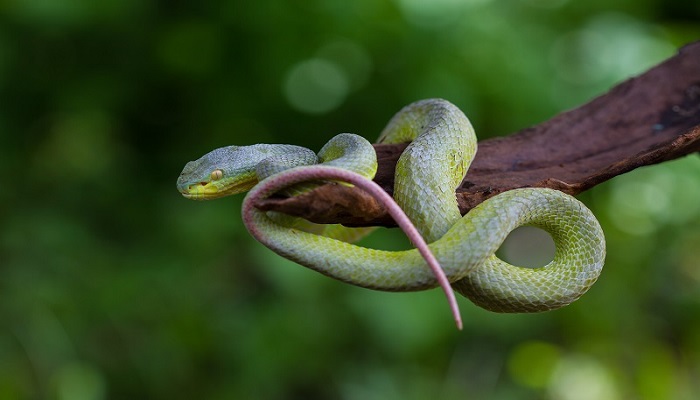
(442, 147)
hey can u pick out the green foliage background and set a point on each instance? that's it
(114, 286)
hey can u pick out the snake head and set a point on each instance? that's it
(221, 172)
(236, 169)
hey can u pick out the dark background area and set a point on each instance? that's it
(114, 286)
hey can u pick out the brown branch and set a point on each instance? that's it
(645, 120)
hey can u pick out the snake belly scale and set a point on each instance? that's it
(442, 147)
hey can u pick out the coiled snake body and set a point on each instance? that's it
(442, 146)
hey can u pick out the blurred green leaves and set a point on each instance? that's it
(113, 286)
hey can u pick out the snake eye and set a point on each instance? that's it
(217, 174)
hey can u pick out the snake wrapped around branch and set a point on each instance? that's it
(460, 253)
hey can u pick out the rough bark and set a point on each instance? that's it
(645, 120)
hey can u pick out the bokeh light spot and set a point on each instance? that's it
(316, 86)
(582, 378)
(532, 363)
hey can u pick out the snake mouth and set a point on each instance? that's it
(202, 191)
(215, 189)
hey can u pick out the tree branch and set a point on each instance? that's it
(645, 120)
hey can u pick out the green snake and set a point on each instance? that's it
(442, 146)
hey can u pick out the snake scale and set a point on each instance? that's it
(461, 249)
